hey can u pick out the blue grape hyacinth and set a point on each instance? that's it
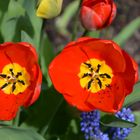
(122, 133)
(91, 127)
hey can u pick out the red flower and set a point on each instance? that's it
(20, 78)
(97, 14)
(94, 74)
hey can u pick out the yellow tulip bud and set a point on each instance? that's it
(49, 8)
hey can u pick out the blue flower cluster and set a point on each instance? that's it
(122, 133)
(90, 125)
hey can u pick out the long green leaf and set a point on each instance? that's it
(112, 121)
(36, 22)
(135, 134)
(10, 19)
(46, 55)
(127, 32)
(7, 133)
(3, 8)
(134, 96)
(26, 38)
(45, 105)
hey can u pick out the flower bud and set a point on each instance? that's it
(49, 8)
(97, 14)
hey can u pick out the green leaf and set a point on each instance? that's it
(41, 112)
(127, 32)
(9, 133)
(61, 120)
(135, 134)
(36, 22)
(137, 116)
(10, 19)
(21, 17)
(4, 5)
(1, 38)
(46, 55)
(49, 114)
(24, 24)
(134, 96)
(113, 121)
(74, 131)
(15, 12)
(3, 8)
(47, 50)
(8, 35)
(26, 38)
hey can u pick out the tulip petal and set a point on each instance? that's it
(64, 70)
(49, 8)
(36, 92)
(90, 19)
(111, 99)
(24, 56)
(97, 14)
(130, 75)
(105, 50)
(104, 11)
(8, 106)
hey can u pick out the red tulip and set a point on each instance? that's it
(20, 78)
(94, 74)
(97, 14)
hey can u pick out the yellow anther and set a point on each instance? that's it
(95, 75)
(14, 79)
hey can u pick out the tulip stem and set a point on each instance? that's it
(74, 30)
(17, 118)
(85, 33)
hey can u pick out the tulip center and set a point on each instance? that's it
(95, 75)
(14, 79)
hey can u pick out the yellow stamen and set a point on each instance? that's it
(95, 75)
(14, 79)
